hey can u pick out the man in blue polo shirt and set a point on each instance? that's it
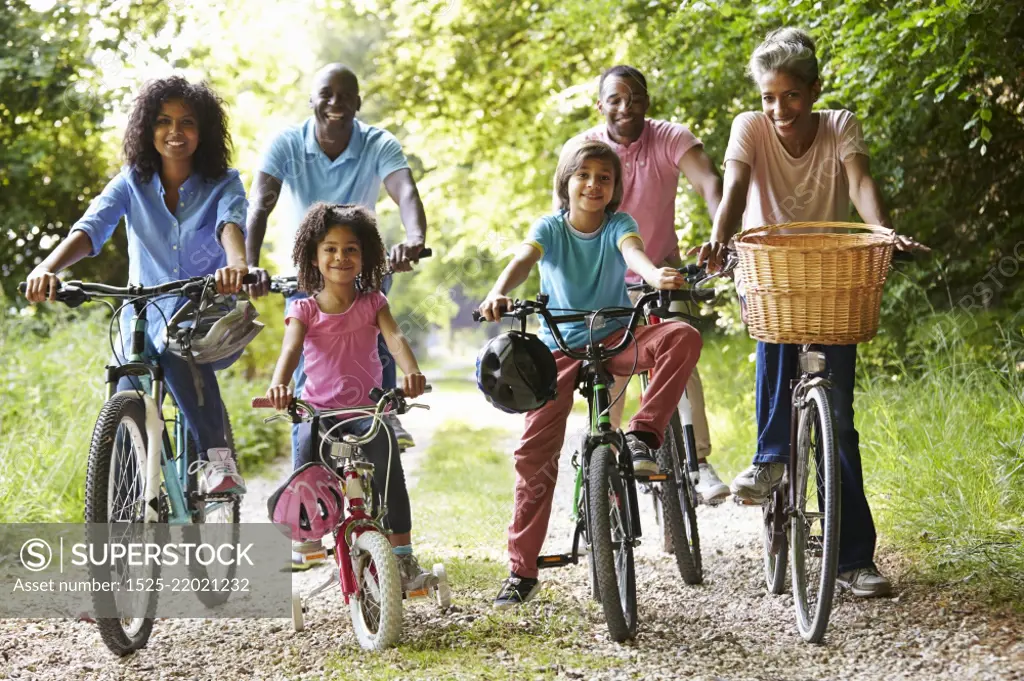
(335, 157)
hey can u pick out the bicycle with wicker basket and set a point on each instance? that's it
(811, 284)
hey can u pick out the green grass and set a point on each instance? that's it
(52, 390)
(462, 502)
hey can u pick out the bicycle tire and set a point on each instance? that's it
(815, 419)
(122, 636)
(377, 620)
(616, 574)
(678, 507)
(213, 598)
(775, 564)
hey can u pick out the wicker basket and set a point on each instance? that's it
(813, 282)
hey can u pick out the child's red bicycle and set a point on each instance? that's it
(311, 503)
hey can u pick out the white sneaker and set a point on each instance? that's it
(307, 554)
(865, 582)
(710, 488)
(220, 474)
(755, 483)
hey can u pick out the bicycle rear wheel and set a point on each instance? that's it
(814, 525)
(678, 503)
(610, 524)
(115, 496)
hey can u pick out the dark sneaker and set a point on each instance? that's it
(405, 440)
(865, 582)
(515, 591)
(644, 463)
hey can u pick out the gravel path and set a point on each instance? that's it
(728, 628)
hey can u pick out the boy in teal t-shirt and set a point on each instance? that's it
(583, 252)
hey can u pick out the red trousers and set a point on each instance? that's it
(668, 351)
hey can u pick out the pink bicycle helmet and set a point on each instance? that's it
(309, 502)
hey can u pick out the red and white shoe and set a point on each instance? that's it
(220, 475)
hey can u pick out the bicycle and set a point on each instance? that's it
(138, 473)
(674, 494)
(604, 507)
(366, 569)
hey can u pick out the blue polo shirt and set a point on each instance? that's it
(295, 158)
(582, 272)
(165, 246)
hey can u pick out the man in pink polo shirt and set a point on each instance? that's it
(653, 153)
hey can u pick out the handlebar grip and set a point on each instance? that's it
(425, 253)
(250, 278)
(477, 317)
(262, 403)
(22, 287)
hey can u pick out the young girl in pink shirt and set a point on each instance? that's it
(336, 330)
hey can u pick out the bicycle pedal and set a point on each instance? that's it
(416, 593)
(555, 560)
(740, 501)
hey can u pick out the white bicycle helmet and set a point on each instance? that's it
(225, 326)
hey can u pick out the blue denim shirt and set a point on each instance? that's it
(163, 246)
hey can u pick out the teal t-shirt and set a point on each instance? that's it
(581, 272)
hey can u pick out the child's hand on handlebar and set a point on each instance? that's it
(494, 305)
(413, 385)
(280, 395)
(41, 285)
(666, 278)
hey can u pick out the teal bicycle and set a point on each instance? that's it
(143, 465)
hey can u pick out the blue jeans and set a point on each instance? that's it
(776, 366)
(399, 517)
(388, 380)
(206, 423)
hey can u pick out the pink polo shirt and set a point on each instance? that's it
(340, 350)
(650, 178)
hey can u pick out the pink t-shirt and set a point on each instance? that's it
(650, 178)
(340, 350)
(786, 189)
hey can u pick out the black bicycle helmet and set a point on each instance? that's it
(516, 372)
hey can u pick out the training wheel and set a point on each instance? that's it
(297, 621)
(444, 592)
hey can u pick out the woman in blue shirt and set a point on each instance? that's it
(184, 210)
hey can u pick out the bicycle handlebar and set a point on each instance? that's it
(288, 284)
(522, 309)
(74, 293)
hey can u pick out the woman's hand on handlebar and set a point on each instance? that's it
(42, 285)
(909, 244)
(280, 395)
(711, 252)
(494, 304)
(229, 278)
(413, 385)
(666, 279)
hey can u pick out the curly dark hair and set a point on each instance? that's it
(318, 221)
(214, 151)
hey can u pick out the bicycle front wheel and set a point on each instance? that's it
(115, 495)
(610, 524)
(678, 501)
(814, 524)
(376, 608)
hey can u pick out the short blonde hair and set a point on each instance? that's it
(571, 159)
(790, 50)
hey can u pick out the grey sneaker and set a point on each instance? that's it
(755, 483)
(865, 582)
(414, 577)
(405, 440)
(710, 488)
(644, 463)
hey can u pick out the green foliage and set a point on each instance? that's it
(491, 91)
(55, 65)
